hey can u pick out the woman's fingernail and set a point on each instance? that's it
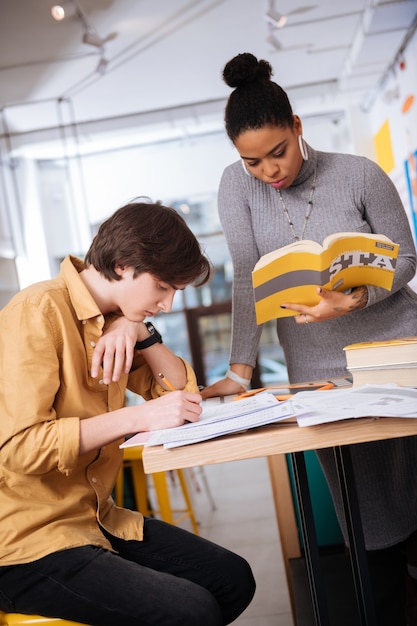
(283, 306)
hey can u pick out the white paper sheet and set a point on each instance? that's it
(216, 420)
(222, 417)
(366, 401)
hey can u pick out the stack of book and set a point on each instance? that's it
(381, 362)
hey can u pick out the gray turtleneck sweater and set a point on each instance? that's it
(352, 194)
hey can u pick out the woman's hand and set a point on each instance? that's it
(332, 304)
(224, 387)
(115, 349)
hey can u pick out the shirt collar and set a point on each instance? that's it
(81, 299)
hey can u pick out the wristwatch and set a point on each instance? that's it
(154, 337)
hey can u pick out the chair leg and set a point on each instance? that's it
(160, 481)
(187, 499)
(164, 501)
(162, 493)
(201, 471)
(140, 487)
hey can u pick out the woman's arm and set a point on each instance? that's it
(231, 384)
(236, 220)
(384, 213)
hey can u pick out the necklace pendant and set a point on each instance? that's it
(307, 215)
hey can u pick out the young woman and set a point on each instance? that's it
(66, 550)
(282, 190)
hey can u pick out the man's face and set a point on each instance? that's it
(142, 296)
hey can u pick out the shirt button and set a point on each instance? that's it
(93, 344)
(84, 322)
(101, 381)
(99, 318)
(94, 480)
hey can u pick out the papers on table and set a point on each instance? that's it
(216, 420)
(367, 401)
(221, 416)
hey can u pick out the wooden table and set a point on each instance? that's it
(276, 440)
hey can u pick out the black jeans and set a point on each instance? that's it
(171, 578)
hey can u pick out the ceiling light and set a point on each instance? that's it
(276, 19)
(58, 12)
(61, 11)
(90, 36)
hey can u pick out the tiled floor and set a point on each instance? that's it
(244, 521)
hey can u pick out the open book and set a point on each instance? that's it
(345, 260)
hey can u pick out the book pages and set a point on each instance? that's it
(292, 274)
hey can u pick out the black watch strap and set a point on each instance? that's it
(154, 337)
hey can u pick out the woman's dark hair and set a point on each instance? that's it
(149, 237)
(256, 100)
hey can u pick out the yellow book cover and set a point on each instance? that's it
(345, 260)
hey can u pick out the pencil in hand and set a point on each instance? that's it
(167, 382)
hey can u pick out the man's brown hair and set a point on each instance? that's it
(149, 237)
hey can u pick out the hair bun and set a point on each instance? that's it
(245, 68)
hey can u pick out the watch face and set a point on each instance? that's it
(154, 337)
(153, 331)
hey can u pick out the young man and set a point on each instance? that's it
(66, 550)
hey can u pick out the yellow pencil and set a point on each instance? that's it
(167, 382)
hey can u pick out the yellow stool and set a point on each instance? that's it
(133, 460)
(18, 619)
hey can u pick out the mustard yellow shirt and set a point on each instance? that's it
(50, 497)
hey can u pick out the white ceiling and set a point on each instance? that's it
(168, 56)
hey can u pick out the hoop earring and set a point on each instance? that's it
(244, 168)
(303, 148)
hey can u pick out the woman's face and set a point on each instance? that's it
(272, 153)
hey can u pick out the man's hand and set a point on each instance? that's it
(170, 410)
(115, 349)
